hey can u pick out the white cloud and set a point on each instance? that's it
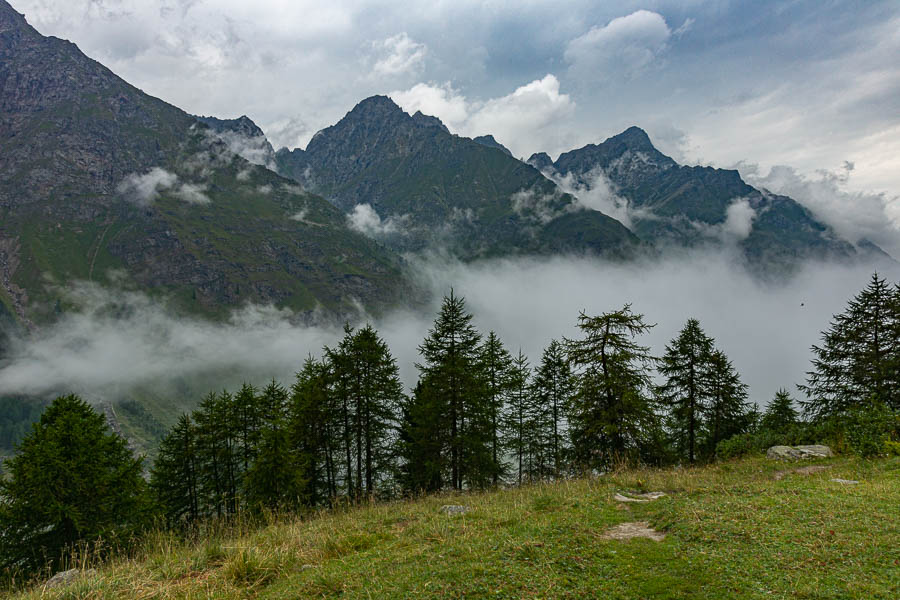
(104, 354)
(143, 189)
(192, 193)
(399, 55)
(522, 120)
(539, 206)
(739, 217)
(254, 149)
(622, 48)
(853, 215)
(595, 191)
(365, 220)
(440, 101)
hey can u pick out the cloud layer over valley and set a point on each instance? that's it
(119, 341)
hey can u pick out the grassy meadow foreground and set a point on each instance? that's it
(733, 529)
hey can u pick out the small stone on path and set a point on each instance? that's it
(627, 531)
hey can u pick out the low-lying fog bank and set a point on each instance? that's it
(766, 329)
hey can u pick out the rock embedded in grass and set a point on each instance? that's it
(64, 578)
(454, 509)
(844, 481)
(799, 452)
(627, 531)
(638, 497)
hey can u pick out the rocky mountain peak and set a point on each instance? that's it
(540, 161)
(490, 142)
(423, 120)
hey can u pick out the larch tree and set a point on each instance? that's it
(685, 394)
(72, 481)
(611, 413)
(857, 364)
(553, 389)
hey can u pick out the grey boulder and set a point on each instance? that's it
(799, 452)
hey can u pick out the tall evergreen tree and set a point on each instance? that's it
(174, 477)
(611, 413)
(728, 412)
(519, 418)
(73, 480)
(313, 427)
(858, 362)
(553, 389)
(685, 393)
(496, 365)
(453, 388)
(367, 382)
(780, 415)
(275, 478)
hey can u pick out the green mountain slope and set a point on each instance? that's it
(430, 188)
(101, 182)
(671, 204)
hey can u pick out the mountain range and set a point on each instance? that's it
(102, 182)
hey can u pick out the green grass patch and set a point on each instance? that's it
(732, 530)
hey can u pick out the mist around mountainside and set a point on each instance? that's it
(120, 342)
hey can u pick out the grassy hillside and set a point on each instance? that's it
(731, 530)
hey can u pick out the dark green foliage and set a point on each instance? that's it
(366, 386)
(16, 417)
(858, 363)
(73, 481)
(450, 419)
(174, 476)
(553, 388)
(611, 415)
(496, 365)
(780, 415)
(728, 412)
(684, 395)
(519, 422)
(869, 429)
(313, 430)
(703, 396)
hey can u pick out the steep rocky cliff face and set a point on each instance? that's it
(668, 204)
(101, 182)
(427, 188)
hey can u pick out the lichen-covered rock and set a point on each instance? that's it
(799, 452)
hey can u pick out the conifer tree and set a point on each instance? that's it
(275, 478)
(496, 365)
(520, 418)
(858, 363)
(685, 393)
(728, 412)
(610, 414)
(366, 380)
(453, 389)
(780, 415)
(174, 478)
(73, 480)
(217, 452)
(553, 389)
(248, 417)
(313, 427)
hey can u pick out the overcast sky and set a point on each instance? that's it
(813, 85)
